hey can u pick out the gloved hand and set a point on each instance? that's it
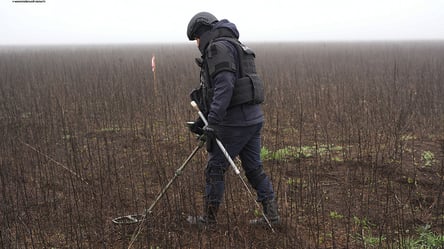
(210, 132)
(196, 127)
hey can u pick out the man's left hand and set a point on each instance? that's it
(210, 133)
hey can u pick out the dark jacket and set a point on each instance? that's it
(223, 82)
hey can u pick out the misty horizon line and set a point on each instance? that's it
(244, 41)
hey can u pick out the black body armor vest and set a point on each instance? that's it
(248, 88)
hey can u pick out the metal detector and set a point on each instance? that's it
(141, 218)
(136, 218)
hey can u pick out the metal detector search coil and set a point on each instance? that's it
(128, 219)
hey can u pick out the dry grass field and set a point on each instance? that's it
(353, 142)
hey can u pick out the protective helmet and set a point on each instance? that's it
(199, 23)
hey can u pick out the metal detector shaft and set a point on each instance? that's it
(221, 146)
(228, 157)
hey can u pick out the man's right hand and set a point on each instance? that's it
(196, 126)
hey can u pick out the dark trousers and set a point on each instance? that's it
(244, 142)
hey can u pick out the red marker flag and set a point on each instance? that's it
(153, 63)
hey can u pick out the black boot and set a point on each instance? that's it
(270, 208)
(209, 217)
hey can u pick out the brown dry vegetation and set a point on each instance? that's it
(84, 139)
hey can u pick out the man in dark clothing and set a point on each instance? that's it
(234, 114)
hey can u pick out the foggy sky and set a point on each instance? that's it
(139, 21)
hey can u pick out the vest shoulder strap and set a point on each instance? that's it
(242, 50)
(219, 58)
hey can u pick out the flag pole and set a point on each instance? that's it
(153, 68)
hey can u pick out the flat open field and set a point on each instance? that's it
(353, 142)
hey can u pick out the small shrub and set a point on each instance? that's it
(428, 158)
